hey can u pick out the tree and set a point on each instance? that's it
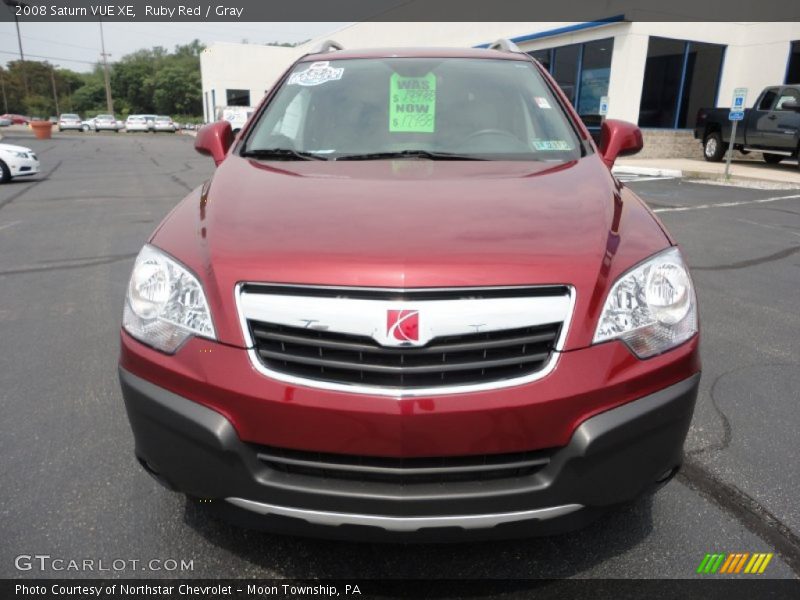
(156, 81)
(146, 81)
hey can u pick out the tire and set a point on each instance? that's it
(772, 159)
(713, 148)
(5, 173)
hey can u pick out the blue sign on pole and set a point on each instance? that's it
(738, 104)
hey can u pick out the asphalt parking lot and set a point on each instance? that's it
(70, 487)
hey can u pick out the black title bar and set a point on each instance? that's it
(397, 10)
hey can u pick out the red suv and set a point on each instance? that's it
(411, 303)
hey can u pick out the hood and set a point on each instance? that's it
(408, 224)
(12, 148)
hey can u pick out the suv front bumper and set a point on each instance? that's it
(611, 458)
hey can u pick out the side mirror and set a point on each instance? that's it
(619, 138)
(790, 105)
(214, 140)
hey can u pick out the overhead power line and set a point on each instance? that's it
(59, 58)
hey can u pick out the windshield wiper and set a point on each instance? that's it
(430, 154)
(282, 153)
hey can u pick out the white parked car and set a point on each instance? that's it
(151, 121)
(17, 161)
(136, 123)
(165, 124)
(70, 121)
(106, 123)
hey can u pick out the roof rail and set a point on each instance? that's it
(326, 46)
(504, 46)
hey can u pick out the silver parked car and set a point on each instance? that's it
(165, 124)
(151, 121)
(106, 123)
(136, 123)
(70, 121)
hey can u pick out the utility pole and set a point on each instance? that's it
(109, 100)
(13, 4)
(3, 87)
(55, 93)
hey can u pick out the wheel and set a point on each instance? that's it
(772, 159)
(5, 173)
(713, 148)
(60, 130)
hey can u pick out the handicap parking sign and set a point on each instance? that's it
(738, 104)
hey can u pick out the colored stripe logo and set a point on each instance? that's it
(731, 564)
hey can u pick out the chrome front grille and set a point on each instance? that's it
(464, 339)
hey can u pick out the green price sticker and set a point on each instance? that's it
(412, 104)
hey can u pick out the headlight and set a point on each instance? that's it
(652, 307)
(20, 154)
(165, 304)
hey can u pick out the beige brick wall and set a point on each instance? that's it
(676, 143)
(669, 143)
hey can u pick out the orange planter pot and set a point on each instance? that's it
(43, 130)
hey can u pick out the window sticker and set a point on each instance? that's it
(316, 74)
(412, 104)
(542, 102)
(550, 145)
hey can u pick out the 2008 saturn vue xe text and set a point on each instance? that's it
(411, 303)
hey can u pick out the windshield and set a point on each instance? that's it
(416, 107)
(163, 119)
(105, 117)
(68, 116)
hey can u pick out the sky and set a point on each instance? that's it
(76, 46)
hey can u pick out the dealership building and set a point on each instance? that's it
(655, 74)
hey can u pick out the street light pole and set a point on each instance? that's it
(3, 87)
(109, 99)
(13, 4)
(55, 93)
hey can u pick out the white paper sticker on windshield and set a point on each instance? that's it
(551, 145)
(542, 102)
(316, 74)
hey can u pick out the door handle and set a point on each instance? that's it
(772, 117)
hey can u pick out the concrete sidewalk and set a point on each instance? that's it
(786, 173)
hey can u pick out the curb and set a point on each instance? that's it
(734, 178)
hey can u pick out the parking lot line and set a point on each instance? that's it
(725, 204)
(7, 225)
